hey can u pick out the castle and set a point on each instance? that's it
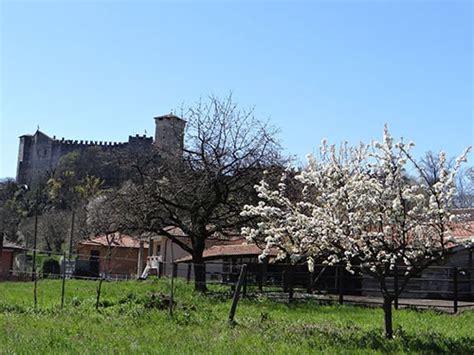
(39, 154)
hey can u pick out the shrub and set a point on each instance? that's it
(50, 267)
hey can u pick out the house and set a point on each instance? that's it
(10, 253)
(221, 254)
(114, 255)
(453, 275)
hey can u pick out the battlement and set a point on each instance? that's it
(39, 153)
(88, 143)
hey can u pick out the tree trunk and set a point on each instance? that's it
(387, 310)
(199, 273)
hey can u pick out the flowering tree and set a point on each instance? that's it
(359, 207)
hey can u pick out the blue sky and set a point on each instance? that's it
(335, 70)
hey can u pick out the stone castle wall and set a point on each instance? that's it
(39, 154)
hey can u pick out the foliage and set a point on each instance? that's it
(50, 266)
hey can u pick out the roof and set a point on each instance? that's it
(11, 245)
(116, 240)
(464, 230)
(463, 233)
(218, 251)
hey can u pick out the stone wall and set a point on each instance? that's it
(39, 154)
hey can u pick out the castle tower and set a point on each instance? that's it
(169, 134)
(36, 157)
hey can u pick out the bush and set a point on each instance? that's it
(50, 267)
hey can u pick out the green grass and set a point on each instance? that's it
(127, 322)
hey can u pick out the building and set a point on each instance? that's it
(39, 154)
(221, 255)
(8, 258)
(112, 255)
(453, 276)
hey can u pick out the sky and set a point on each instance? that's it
(340, 70)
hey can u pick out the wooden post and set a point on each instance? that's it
(455, 289)
(99, 288)
(395, 287)
(340, 272)
(160, 268)
(35, 290)
(173, 275)
(235, 299)
(260, 277)
(310, 281)
(290, 276)
(188, 276)
(140, 259)
(174, 269)
(63, 283)
(264, 272)
(35, 238)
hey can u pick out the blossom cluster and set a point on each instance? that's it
(359, 206)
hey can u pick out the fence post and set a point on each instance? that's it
(235, 299)
(63, 283)
(264, 272)
(260, 277)
(310, 281)
(173, 275)
(455, 289)
(160, 268)
(340, 275)
(395, 287)
(35, 289)
(175, 270)
(188, 276)
(290, 276)
(244, 289)
(99, 288)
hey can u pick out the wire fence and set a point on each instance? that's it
(440, 287)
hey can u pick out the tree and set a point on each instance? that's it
(465, 188)
(431, 169)
(69, 194)
(360, 208)
(54, 228)
(203, 190)
(11, 196)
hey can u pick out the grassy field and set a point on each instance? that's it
(131, 320)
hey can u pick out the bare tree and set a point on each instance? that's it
(465, 188)
(430, 165)
(54, 228)
(202, 191)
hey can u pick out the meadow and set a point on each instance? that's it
(134, 317)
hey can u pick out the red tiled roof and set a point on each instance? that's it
(116, 240)
(463, 230)
(217, 251)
